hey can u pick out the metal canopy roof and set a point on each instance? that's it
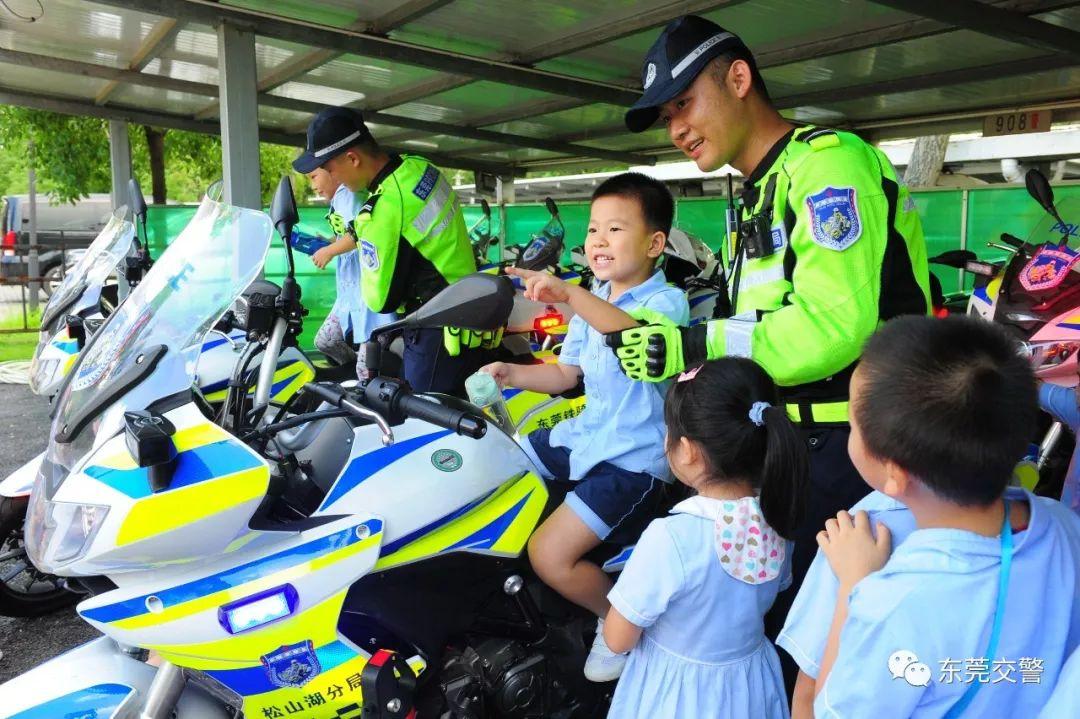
(513, 86)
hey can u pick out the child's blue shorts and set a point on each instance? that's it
(614, 503)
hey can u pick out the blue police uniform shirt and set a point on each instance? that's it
(806, 629)
(934, 601)
(623, 420)
(349, 307)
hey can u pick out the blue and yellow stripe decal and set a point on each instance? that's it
(288, 379)
(191, 597)
(214, 472)
(364, 466)
(499, 523)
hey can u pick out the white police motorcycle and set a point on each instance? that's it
(365, 558)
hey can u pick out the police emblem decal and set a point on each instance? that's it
(292, 665)
(834, 218)
(650, 76)
(369, 255)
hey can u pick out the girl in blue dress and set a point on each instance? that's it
(690, 603)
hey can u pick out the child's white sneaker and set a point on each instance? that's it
(602, 664)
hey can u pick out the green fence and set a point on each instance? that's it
(951, 219)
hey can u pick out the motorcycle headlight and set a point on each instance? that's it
(42, 373)
(1049, 354)
(59, 533)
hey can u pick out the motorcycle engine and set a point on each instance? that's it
(497, 678)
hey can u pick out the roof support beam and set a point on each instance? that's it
(405, 13)
(995, 22)
(197, 88)
(470, 133)
(67, 106)
(1012, 68)
(239, 112)
(351, 41)
(864, 38)
(163, 33)
(604, 29)
(306, 62)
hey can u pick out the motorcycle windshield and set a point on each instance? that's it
(149, 347)
(92, 269)
(1050, 231)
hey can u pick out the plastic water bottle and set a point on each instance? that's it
(308, 244)
(484, 392)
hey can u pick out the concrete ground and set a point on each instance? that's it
(26, 643)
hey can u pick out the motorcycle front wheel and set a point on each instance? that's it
(24, 591)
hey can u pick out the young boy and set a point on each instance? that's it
(976, 610)
(610, 458)
(349, 322)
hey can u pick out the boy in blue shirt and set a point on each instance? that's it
(941, 411)
(610, 458)
(349, 322)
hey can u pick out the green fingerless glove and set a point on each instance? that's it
(656, 352)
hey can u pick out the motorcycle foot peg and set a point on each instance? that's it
(387, 683)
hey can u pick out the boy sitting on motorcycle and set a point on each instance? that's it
(609, 460)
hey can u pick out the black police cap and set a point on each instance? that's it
(333, 131)
(677, 57)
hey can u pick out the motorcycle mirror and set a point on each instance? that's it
(485, 208)
(138, 201)
(216, 190)
(551, 206)
(283, 208)
(1039, 188)
(478, 301)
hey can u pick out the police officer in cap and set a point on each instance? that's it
(410, 233)
(828, 247)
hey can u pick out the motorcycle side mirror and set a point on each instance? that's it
(551, 206)
(283, 209)
(478, 301)
(486, 208)
(138, 201)
(1039, 188)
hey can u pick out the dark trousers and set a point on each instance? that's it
(834, 485)
(429, 368)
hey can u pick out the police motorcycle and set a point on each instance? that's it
(73, 314)
(1035, 293)
(363, 559)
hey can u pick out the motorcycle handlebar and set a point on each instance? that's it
(1012, 240)
(401, 401)
(455, 420)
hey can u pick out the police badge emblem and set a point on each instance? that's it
(292, 665)
(834, 218)
(1048, 268)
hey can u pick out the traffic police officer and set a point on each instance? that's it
(410, 232)
(828, 247)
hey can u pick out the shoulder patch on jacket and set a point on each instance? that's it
(834, 217)
(369, 205)
(369, 255)
(427, 182)
(821, 138)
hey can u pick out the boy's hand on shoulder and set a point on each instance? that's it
(542, 286)
(852, 549)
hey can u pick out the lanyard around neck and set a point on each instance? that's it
(999, 614)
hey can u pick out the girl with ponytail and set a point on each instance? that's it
(689, 605)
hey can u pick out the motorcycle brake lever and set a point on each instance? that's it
(362, 411)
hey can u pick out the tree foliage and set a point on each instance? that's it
(72, 158)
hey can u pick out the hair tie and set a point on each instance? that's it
(757, 413)
(689, 374)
